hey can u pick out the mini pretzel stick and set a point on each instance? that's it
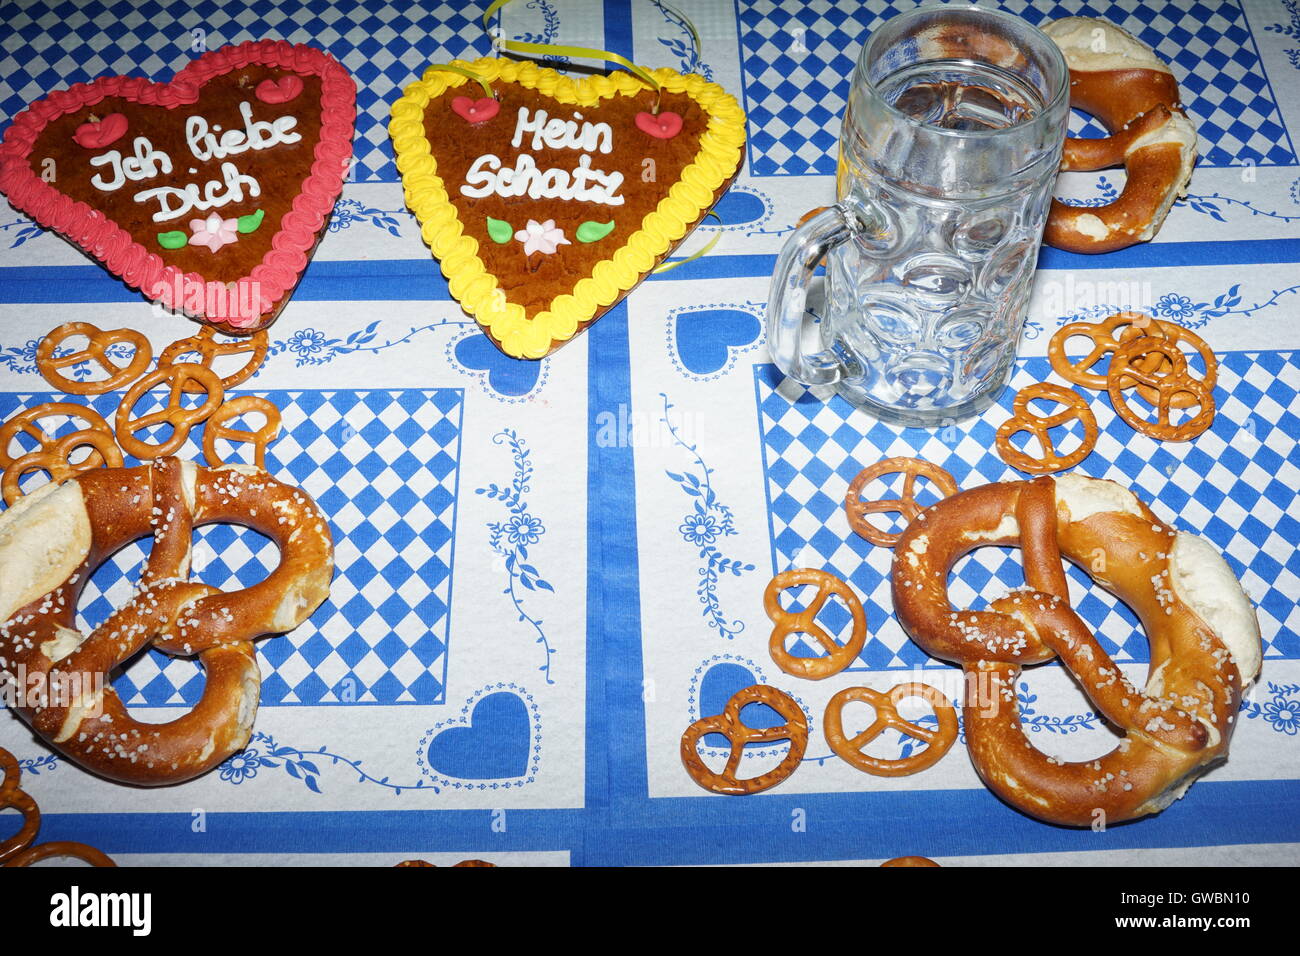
(906, 505)
(55, 459)
(1025, 419)
(838, 656)
(204, 344)
(729, 724)
(1172, 380)
(1106, 336)
(259, 438)
(97, 345)
(938, 742)
(174, 413)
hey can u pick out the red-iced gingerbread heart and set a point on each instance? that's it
(207, 193)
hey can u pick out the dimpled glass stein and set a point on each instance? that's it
(949, 148)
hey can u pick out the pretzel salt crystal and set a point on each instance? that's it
(52, 541)
(1131, 91)
(1205, 643)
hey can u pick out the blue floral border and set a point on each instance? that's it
(707, 520)
(511, 538)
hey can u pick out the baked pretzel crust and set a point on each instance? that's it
(166, 500)
(1174, 729)
(1131, 92)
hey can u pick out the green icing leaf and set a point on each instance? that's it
(250, 222)
(591, 231)
(173, 240)
(499, 231)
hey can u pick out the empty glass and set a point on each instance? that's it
(949, 148)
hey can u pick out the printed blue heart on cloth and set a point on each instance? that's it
(705, 338)
(740, 206)
(505, 376)
(720, 683)
(494, 746)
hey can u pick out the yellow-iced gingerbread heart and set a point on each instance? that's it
(549, 201)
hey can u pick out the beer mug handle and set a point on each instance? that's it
(849, 219)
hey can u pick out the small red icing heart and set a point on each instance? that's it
(664, 125)
(98, 135)
(282, 90)
(476, 111)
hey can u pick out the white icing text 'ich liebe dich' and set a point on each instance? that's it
(176, 201)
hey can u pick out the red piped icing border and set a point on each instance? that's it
(281, 268)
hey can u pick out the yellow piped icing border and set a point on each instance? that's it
(475, 288)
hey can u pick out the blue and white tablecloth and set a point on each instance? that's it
(547, 570)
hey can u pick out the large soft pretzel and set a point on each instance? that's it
(1204, 637)
(52, 541)
(1120, 80)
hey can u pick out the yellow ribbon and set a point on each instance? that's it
(702, 251)
(552, 49)
(463, 72)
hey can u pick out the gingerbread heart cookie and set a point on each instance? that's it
(207, 193)
(549, 201)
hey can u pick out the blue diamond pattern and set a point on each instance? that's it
(394, 650)
(797, 64)
(1189, 484)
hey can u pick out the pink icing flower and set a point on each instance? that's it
(541, 237)
(213, 232)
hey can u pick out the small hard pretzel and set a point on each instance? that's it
(174, 413)
(938, 741)
(97, 345)
(1120, 80)
(1106, 337)
(1025, 419)
(17, 850)
(1204, 636)
(1155, 362)
(838, 656)
(205, 346)
(906, 506)
(910, 861)
(729, 724)
(51, 543)
(1172, 380)
(259, 438)
(462, 863)
(54, 454)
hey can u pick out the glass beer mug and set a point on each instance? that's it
(949, 148)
